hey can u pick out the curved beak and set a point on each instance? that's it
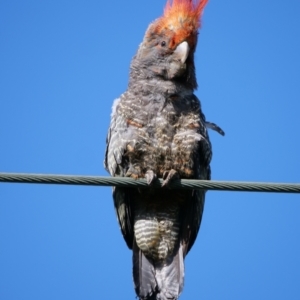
(182, 51)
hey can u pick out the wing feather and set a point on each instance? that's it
(115, 163)
(195, 205)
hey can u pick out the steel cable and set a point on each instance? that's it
(141, 183)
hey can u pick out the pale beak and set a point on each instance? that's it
(182, 51)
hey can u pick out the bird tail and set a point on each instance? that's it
(158, 281)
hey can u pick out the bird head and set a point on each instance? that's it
(167, 50)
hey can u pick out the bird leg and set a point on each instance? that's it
(169, 176)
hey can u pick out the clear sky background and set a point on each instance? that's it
(62, 63)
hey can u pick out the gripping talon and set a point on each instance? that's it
(133, 173)
(169, 176)
(150, 177)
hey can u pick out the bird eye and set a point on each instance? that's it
(163, 43)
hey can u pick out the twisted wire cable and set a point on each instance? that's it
(141, 183)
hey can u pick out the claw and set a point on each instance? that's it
(133, 173)
(169, 176)
(150, 177)
(165, 175)
(134, 176)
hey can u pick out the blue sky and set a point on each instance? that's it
(62, 63)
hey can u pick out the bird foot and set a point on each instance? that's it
(169, 176)
(150, 177)
(133, 173)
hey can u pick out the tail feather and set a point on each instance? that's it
(143, 275)
(170, 277)
(158, 281)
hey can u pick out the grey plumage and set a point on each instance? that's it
(158, 130)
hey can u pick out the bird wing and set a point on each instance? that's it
(115, 143)
(192, 219)
(195, 204)
(116, 164)
(124, 209)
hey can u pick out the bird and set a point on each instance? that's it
(158, 130)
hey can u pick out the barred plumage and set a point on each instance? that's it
(158, 130)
